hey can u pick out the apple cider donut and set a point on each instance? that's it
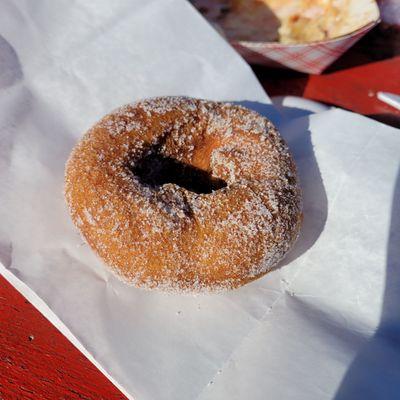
(182, 194)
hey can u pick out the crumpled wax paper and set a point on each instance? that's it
(323, 326)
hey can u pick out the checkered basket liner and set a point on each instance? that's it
(311, 58)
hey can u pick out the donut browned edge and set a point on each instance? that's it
(182, 194)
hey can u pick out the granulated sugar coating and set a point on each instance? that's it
(182, 194)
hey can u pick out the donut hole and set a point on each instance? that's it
(156, 169)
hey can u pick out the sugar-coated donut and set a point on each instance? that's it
(183, 194)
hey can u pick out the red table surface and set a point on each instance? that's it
(38, 362)
(354, 88)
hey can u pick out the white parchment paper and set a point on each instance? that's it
(315, 329)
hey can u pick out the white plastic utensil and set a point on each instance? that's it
(390, 98)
